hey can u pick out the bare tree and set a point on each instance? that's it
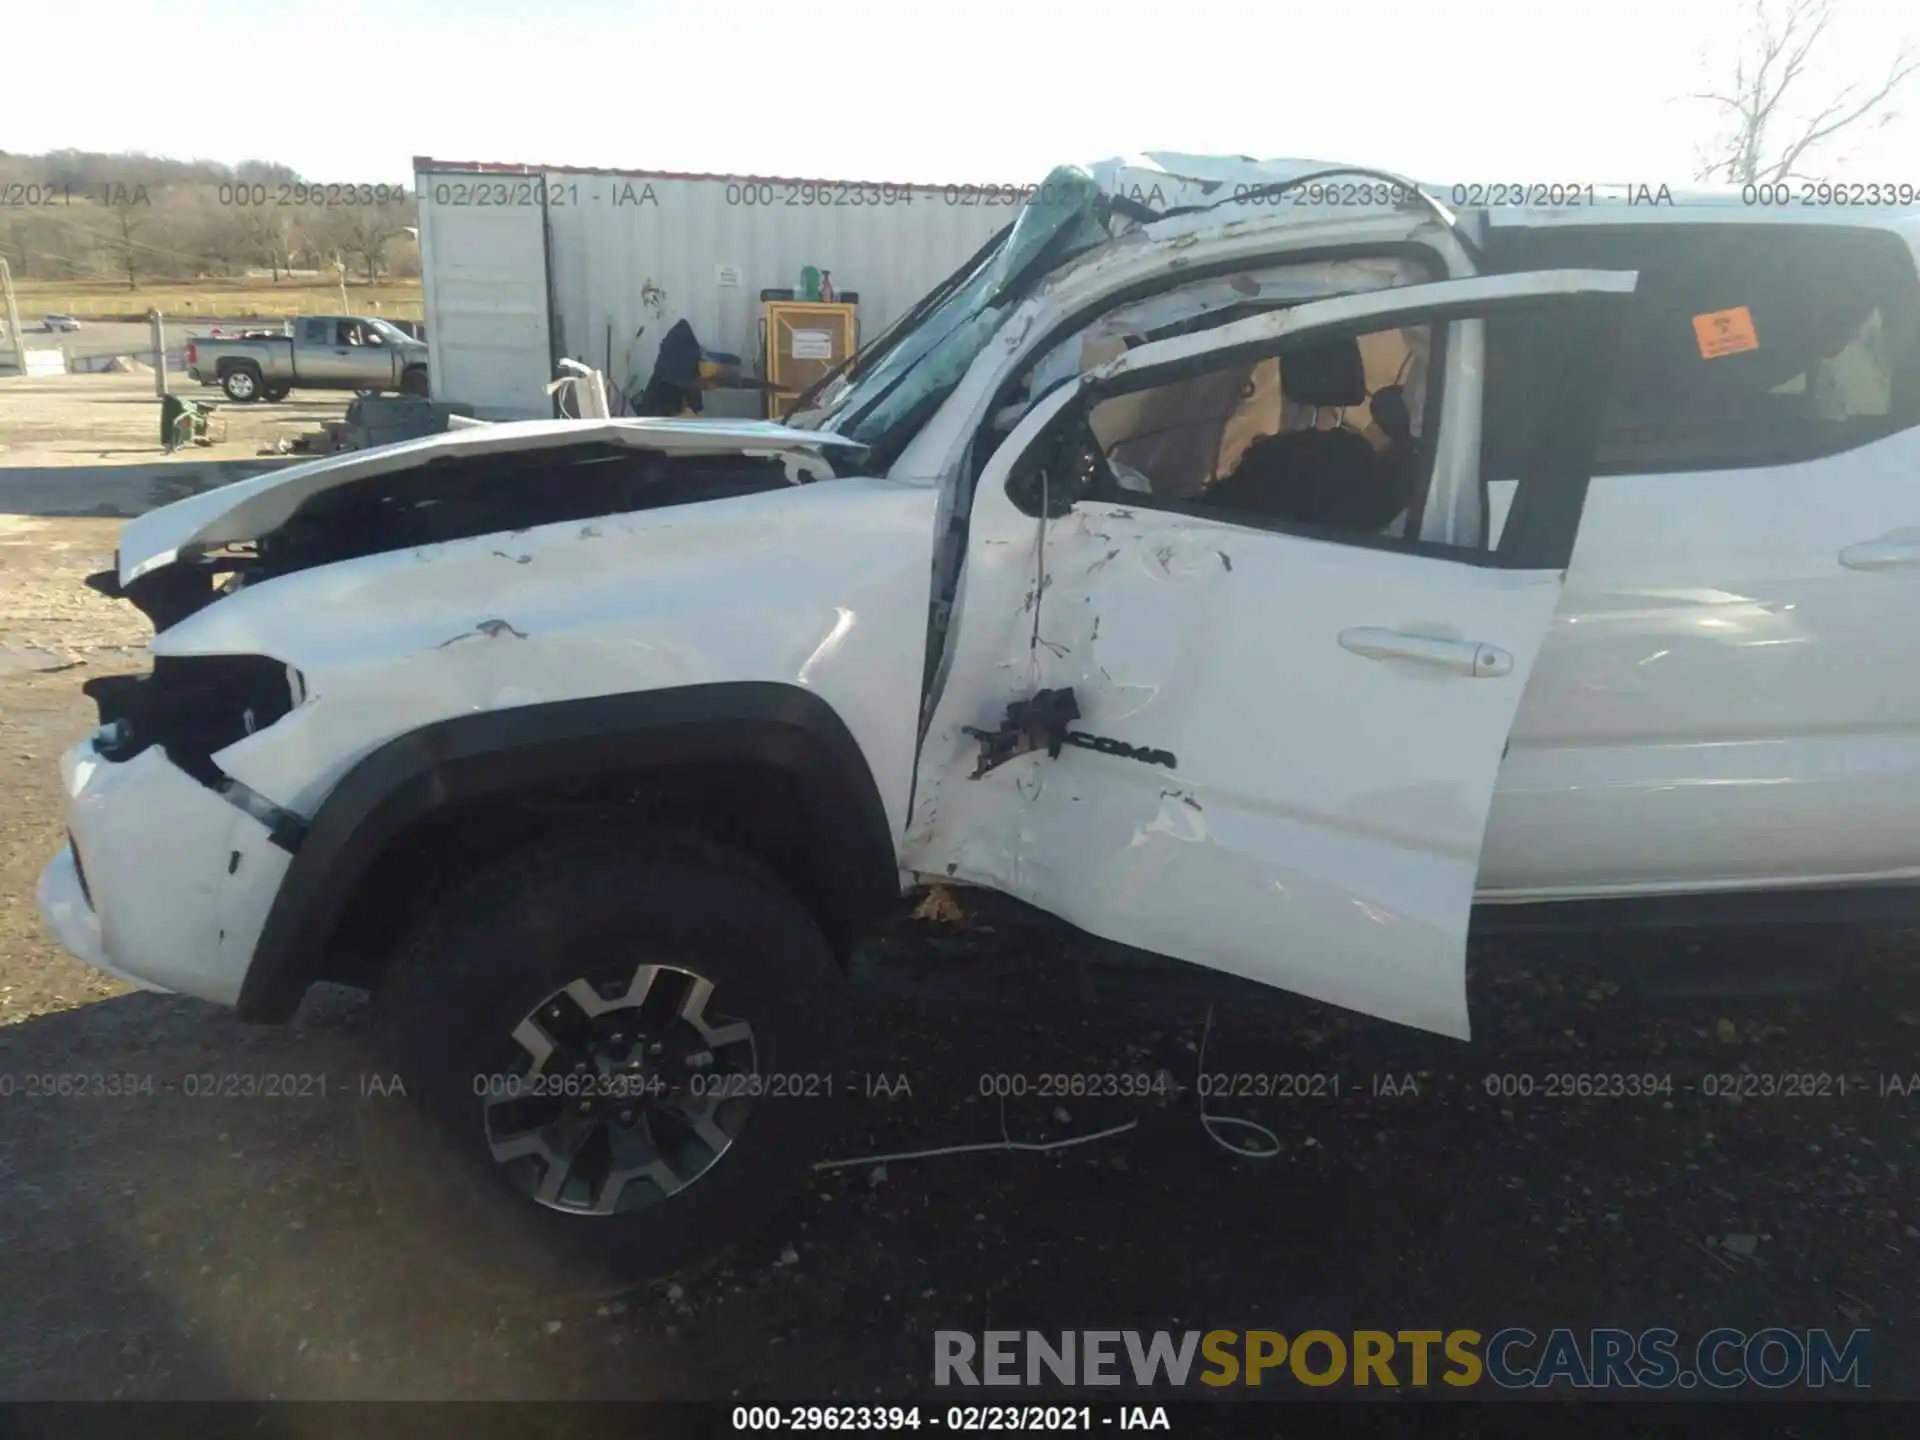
(144, 217)
(35, 245)
(362, 232)
(1766, 135)
(266, 232)
(129, 223)
(270, 173)
(214, 234)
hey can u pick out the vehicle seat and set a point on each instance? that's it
(1315, 477)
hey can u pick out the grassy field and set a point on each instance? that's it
(235, 299)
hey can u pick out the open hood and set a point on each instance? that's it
(251, 508)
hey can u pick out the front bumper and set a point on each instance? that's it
(69, 915)
(180, 879)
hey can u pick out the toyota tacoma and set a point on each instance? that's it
(1276, 588)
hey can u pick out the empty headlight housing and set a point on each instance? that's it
(191, 706)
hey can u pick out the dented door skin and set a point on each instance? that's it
(1300, 735)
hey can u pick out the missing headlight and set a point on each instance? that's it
(191, 705)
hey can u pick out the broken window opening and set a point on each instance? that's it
(1204, 302)
(1331, 436)
(1200, 304)
(1219, 300)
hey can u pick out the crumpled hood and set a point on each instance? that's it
(1168, 179)
(250, 508)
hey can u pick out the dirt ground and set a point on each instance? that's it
(76, 446)
(109, 419)
(160, 1244)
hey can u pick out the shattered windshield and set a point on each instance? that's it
(1064, 217)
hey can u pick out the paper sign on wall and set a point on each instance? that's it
(1725, 332)
(727, 277)
(813, 345)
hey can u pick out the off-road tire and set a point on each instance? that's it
(520, 931)
(414, 382)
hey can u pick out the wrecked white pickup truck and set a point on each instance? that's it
(1271, 588)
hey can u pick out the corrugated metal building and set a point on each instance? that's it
(522, 264)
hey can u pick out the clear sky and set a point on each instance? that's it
(983, 90)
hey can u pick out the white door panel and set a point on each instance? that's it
(1307, 731)
(1321, 826)
(1727, 696)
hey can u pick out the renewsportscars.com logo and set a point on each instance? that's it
(1512, 1359)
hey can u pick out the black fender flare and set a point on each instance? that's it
(471, 756)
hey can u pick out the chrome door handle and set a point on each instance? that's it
(1880, 554)
(1463, 657)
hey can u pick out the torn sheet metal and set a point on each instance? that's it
(1062, 219)
(1037, 723)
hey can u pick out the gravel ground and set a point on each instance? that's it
(162, 1246)
(166, 1245)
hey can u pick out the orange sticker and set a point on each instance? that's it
(1725, 332)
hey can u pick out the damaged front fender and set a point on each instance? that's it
(820, 585)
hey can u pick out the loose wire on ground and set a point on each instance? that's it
(1208, 1123)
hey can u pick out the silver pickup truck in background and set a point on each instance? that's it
(318, 352)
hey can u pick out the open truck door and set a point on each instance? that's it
(1254, 744)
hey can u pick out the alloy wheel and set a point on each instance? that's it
(620, 1089)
